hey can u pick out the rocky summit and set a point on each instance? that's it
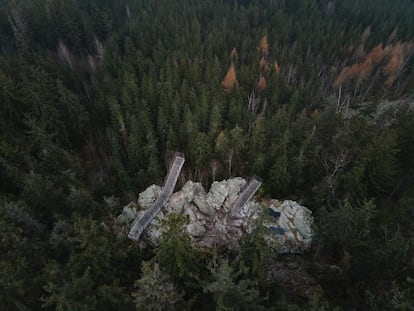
(215, 222)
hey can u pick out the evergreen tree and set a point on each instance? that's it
(228, 294)
(155, 290)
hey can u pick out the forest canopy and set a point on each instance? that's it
(313, 96)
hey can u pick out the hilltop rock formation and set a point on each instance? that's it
(289, 225)
(214, 222)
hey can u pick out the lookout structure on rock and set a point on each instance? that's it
(248, 193)
(142, 223)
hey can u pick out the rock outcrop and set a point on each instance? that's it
(289, 226)
(215, 222)
(148, 197)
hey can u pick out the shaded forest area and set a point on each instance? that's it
(314, 96)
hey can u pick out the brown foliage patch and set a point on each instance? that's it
(230, 79)
(264, 45)
(261, 84)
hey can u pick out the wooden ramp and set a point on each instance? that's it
(248, 193)
(141, 224)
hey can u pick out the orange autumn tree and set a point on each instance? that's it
(230, 80)
(392, 59)
(261, 84)
(399, 56)
(384, 63)
(364, 70)
(377, 54)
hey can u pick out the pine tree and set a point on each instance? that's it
(155, 290)
(176, 255)
(227, 292)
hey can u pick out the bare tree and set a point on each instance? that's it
(334, 163)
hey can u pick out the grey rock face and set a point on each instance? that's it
(128, 214)
(214, 222)
(196, 229)
(234, 186)
(290, 227)
(190, 189)
(176, 202)
(148, 197)
(217, 194)
(201, 203)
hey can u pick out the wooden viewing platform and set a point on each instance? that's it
(141, 224)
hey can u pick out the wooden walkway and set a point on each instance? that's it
(141, 224)
(247, 193)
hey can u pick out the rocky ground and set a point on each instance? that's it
(213, 221)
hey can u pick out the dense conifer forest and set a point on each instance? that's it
(313, 96)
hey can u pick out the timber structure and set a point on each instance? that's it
(247, 193)
(170, 181)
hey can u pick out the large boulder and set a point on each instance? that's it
(149, 196)
(234, 187)
(217, 194)
(290, 227)
(196, 229)
(201, 203)
(176, 202)
(190, 189)
(129, 213)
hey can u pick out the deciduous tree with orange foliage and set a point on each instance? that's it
(230, 80)
(383, 64)
(261, 84)
(399, 56)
